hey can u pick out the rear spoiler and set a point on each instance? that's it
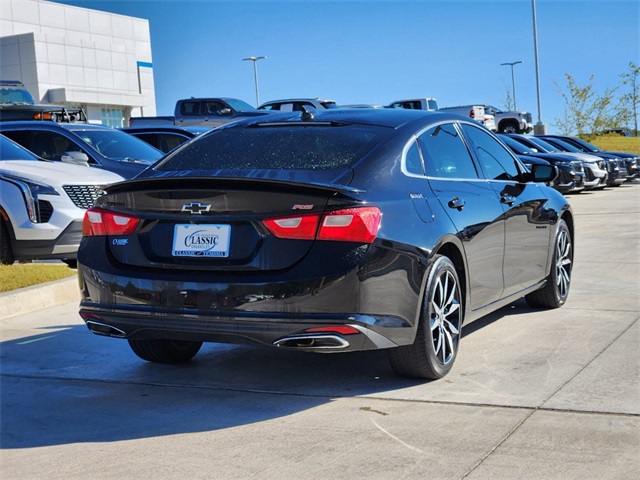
(190, 182)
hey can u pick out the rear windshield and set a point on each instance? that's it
(286, 147)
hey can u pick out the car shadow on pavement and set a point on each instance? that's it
(67, 385)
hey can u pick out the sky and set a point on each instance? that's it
(378, 51)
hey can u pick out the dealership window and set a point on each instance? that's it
(112, 117)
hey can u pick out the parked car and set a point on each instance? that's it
(476, 112)
(209, 112)
(511, 121)
(99, 146)
(42, 204)
(570, 171)
(595, 168)
(17, 103)
(296, 104)
(332, 231)
(629, 162)
(165, 138)
(615, 167)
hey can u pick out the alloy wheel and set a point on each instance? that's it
(445, 317)
(563, 263)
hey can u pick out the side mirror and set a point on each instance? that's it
(544, 173)
(76, 158)
(225, 111)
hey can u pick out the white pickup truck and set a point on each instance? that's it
(511, 121)
(477, 112)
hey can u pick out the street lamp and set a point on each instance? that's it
(513, 81)
(255, 74)
(539, 128)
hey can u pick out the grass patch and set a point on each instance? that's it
(21, 275)
(618, 143)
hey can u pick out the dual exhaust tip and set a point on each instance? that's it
(313, 342)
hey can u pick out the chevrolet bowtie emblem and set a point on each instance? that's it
(195, 208)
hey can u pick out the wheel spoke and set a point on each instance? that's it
(451, 327)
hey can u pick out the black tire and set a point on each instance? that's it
(555, 292)
(509, 127)
(6, 253)
(435, 347)
(165, 351)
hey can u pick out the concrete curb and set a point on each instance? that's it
(37, 297)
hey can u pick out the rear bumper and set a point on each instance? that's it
(281, 330)
(378, 294)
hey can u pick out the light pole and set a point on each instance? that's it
(539, 128)
(255, 74)
(513, 81)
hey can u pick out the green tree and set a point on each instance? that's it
(629, 102)
(586, 112)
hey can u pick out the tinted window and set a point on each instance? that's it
(445, 154)
(496, 161)
(11, 151)
(118, 145)
(47, 145)
(290, 147)
(414, 160)
(190, 108)
(516, 146)
(213, 107)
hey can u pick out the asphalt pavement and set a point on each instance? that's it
(534, 394)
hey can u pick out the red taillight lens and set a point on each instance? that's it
(99, 222)
(472, 113)
(358, 224)
(296, 228)
(351, 225)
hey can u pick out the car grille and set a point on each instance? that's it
(45, 210)
(83, 196)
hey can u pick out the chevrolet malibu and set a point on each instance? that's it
(325, 231)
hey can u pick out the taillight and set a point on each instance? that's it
(341, 329)
(359, 224)
(472, 113)
(296, 228)
(99, 222)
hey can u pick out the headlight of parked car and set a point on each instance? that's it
(30, 192)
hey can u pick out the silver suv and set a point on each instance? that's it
(42, 204)
(296, 104)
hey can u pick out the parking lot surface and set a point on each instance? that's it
(534, 394)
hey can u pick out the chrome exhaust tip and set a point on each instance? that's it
(104, 329)
(312, 342)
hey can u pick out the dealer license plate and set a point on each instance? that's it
(201, 240)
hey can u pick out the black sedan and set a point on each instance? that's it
(330, 231)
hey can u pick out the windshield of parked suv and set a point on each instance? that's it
(266, 147)
(587, 145)
(239, 105)
(13, 95)
(121, 146)
(517, 147)
(12, 151)
(546, 145)
(565, 145)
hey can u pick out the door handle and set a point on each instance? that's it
(456, 203)
(508, 199)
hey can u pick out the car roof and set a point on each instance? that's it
(383, 117)
(47, 125)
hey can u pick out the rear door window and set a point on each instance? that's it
(445, 153)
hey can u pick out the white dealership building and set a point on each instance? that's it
(79, 57)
